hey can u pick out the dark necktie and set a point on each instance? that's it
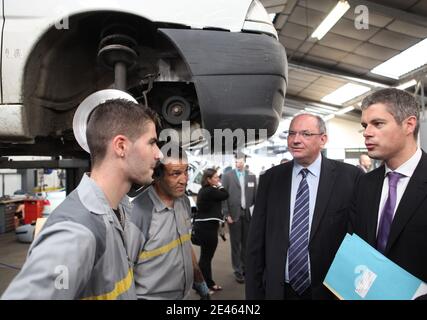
(388, 210)
(299, 277)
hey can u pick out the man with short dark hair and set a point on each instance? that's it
(390, 202)
(158, 234)
(300, 218)
(80, 254)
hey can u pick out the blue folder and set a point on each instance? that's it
(359, 272)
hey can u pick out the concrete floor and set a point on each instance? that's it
(223, 273)
(13, 253)
(12, 257)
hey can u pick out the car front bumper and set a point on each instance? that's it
(240, 78)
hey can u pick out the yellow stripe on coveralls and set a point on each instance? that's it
(145, 255)
(119, 288)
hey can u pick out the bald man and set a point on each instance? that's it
(364, 163)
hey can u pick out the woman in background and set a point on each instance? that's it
(207, 221)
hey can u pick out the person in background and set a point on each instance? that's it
(79, 253)
(157, 234)
(241, 187)
(365, 163)
(207, 220)
(19, 214)
(300, 218)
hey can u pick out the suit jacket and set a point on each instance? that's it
(407, 243)
(231, 183)
(268, 240)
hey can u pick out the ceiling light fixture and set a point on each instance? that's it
(316, 111)
(338, 113)
(404, 62)
(345, 93)
(324, 107)
(332, 18)
(328, 117)
(345, 110)
(407, 84)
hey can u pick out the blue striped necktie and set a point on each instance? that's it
(299, 277)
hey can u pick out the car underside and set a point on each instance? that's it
(212, 78)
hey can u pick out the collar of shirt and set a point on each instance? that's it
(407, 168)
(313, 168)
(94, 199)
(240, 173)
(158, 203)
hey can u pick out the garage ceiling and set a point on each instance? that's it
(345, 54)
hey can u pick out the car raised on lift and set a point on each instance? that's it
(215, 63)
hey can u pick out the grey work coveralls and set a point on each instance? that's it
(79, 254)
(163, 262)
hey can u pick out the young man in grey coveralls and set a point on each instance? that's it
(80, 254)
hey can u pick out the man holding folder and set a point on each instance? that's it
(390, 204)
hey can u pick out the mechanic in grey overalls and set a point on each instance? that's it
(158, 234)
(80, 253)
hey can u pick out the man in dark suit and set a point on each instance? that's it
(300, 218)
(241, 186)
(390, 205)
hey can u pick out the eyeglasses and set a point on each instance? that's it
(304, 134)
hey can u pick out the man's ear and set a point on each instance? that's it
(120, 145)
(411, 123)
(324, 140)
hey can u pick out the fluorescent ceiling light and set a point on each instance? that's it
(316, 111)
(332, 18)
(325, 107)
(406, 85)
(345, 93)
(328, 117)
(404, 62)
(339, 112)
(345, 110)
(321, 108)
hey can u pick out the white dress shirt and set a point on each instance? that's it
(407, 169)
